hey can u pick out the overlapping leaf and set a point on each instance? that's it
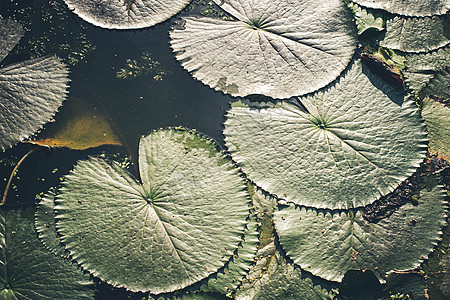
(126, 14)
(28, 270)
(227, 281)
(416, 34)
(10, 34)
(30, 91)
(45, 223)
(179, 226)
(352, 146)
(439, 85)
(329, 244)
(417, 8)
(437, 118)
(270, 47)
(420, 68)
(273, 278)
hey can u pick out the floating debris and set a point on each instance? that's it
(143, 67)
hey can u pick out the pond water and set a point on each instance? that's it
(163, 96)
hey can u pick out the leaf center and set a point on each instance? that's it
(255, 24)
(319, 122)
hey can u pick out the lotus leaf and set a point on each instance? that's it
(352, 145)
(420, 68)
(270, 47)
(10, 34)
(28, 270)
(30, 91)
(439, 85)
(328, 244)
(437, 118)
(126, 14)
(45, 223)
(179, 226)
(280, 281)
(417, 8)
(227, 281)
(416, 34)
(412, 284)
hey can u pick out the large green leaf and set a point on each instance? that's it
(126, 14)
(179, 226)
(30, 94)
(439, 85)
(227, 280)
(352, 146)
(328, 244)
(10, 34)
(437, 118)
(273, 278)
(45, 223)
(420, 68)
(272, 47)
(416, 34)
(28, 270)
(417, 8)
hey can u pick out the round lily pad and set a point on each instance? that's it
(178, 226)
(345, 147)
(29, 270)
(418, 8)
(328, 244)
(126, 14)
(272, 47)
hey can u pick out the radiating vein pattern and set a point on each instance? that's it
(126, 14)
(271, 47)
(182, 223)
(328, 244)
(30, 94)
(353, 145)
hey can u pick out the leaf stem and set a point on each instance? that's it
(5, 193)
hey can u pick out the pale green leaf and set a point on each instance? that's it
(420, 68)
(439, 85)
(271, 47)
(179, 226)
(416, 34)
(417, 8)
(280, 280)
(126, 14)
(45, 223)
(328, 244)
(437, 118)
(352, 146)
(30, 94)
(10, 34)
(227, 281)
(28, 270)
